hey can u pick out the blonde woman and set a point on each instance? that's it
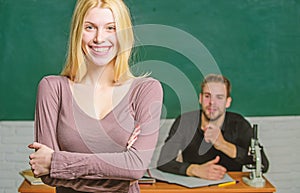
(96, 125)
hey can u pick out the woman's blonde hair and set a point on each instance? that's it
(75, 67)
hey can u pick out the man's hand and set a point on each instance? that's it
(209, 170)
(213, 135)
(40, 160)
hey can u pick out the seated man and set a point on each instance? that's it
(209, 142)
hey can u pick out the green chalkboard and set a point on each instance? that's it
(33, 39)
(256, 44)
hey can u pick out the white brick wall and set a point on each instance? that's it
(279, 135)
(14, 138)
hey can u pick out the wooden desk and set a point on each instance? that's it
(161, 187)
(27, 188)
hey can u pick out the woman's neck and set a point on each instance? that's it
(99, 76)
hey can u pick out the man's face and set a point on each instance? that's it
(214, 100)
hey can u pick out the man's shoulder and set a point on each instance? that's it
(190, 118)
(235, 117)
(195, 114)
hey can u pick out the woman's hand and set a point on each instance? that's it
(40, 160)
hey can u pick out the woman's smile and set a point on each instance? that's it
(100, 50)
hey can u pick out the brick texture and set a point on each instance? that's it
(279, 136)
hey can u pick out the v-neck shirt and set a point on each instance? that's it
(87, 149)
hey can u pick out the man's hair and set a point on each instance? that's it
(217, 78)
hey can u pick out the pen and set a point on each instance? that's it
(228, 183)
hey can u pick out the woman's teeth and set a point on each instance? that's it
(101, 49)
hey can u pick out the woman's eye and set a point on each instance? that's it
(89, 27)
(111, 28)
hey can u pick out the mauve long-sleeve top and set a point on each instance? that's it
(91, 155)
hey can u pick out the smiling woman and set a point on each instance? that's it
(96, 125)
(99, 40)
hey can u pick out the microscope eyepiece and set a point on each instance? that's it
(255, 131)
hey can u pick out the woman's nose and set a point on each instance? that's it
(99, 37)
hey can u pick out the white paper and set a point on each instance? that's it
(187, 181)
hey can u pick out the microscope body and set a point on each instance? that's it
(256, 178)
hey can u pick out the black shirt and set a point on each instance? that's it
(186, 135)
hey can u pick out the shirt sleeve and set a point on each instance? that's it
(46, 117)
(127, 165)
(244, 132)
(182, 130)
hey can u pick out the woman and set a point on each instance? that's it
(96, 125)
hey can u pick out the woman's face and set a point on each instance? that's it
(99, 40)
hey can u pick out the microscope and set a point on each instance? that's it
(255, 178)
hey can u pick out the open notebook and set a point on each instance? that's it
(28, 175)
(190, 182)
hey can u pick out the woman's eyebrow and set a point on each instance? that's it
(108, 23)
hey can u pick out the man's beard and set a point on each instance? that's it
(208, 117)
